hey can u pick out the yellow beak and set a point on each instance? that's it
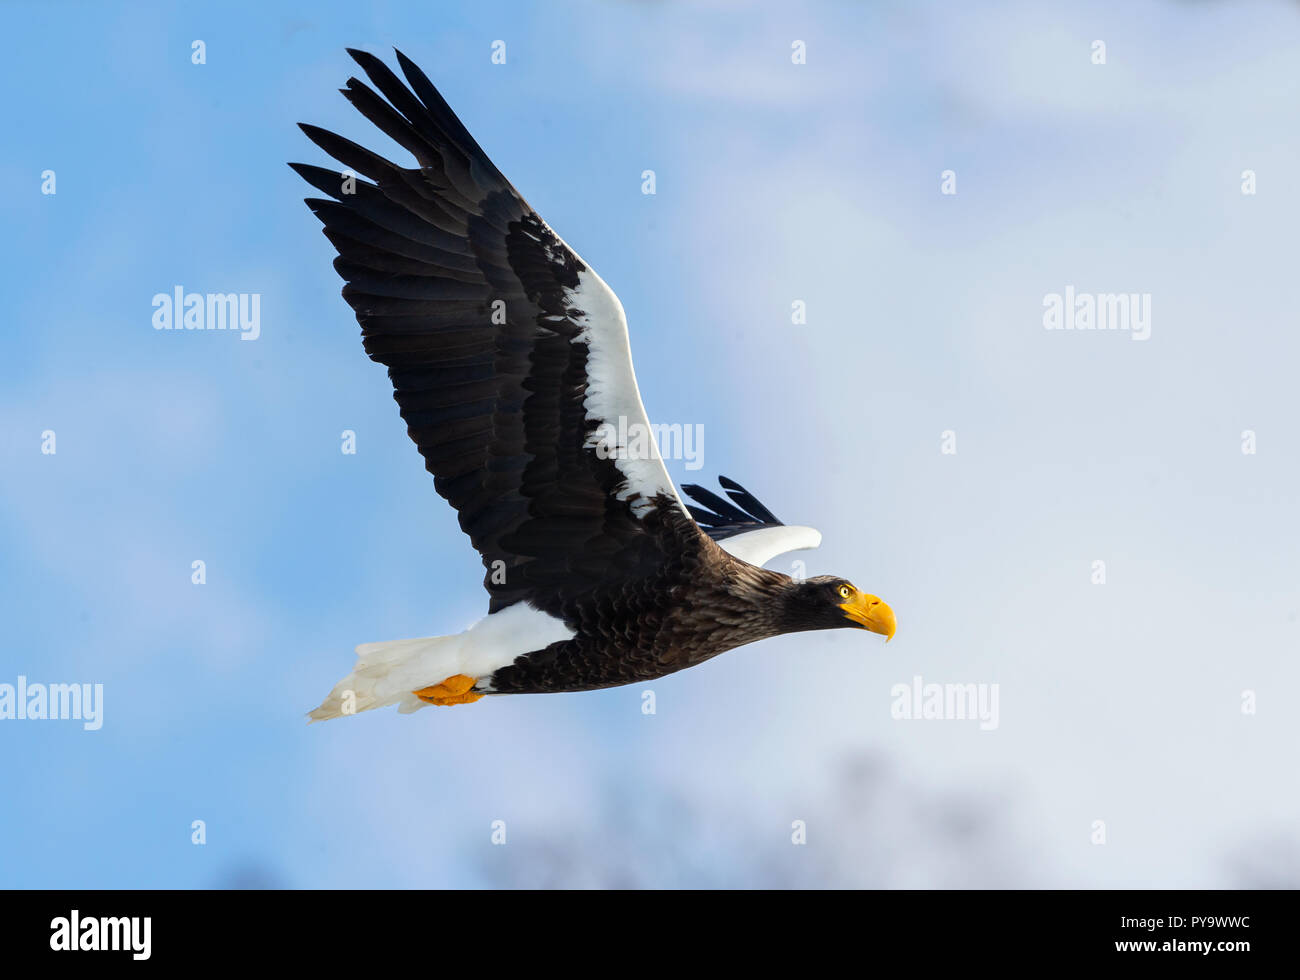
(871, 613)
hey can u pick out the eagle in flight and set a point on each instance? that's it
(510, 364)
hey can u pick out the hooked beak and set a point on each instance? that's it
(869, 612)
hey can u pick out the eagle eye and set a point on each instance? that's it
(845, 591)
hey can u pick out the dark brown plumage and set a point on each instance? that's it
(627, 632)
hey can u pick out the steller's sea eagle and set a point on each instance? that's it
(510, 364)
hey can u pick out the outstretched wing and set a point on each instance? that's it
(508, 355)
(743, 527)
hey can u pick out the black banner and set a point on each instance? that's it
(359, 929)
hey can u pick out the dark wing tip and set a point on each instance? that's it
(404, 61)
(742, 509)
(702, 516)
(317, 133)
(722, 510)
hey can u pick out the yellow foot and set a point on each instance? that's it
(454, 690)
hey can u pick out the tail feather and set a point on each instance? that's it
(387, 673)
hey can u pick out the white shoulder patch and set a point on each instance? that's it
(613, 398)
(762, 545)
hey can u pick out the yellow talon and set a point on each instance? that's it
(454, 690)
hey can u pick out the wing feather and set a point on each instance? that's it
(509, 357)
(744, 527)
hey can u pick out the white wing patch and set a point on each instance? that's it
(612, 394)
(762, 545)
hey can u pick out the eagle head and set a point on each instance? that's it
(828, 602)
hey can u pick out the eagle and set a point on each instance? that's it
(511, 367)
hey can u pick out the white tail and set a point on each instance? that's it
(387, 673)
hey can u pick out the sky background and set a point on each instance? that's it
(776, 182)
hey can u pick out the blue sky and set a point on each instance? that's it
(775, 182)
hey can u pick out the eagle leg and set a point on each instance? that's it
(454, 690)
